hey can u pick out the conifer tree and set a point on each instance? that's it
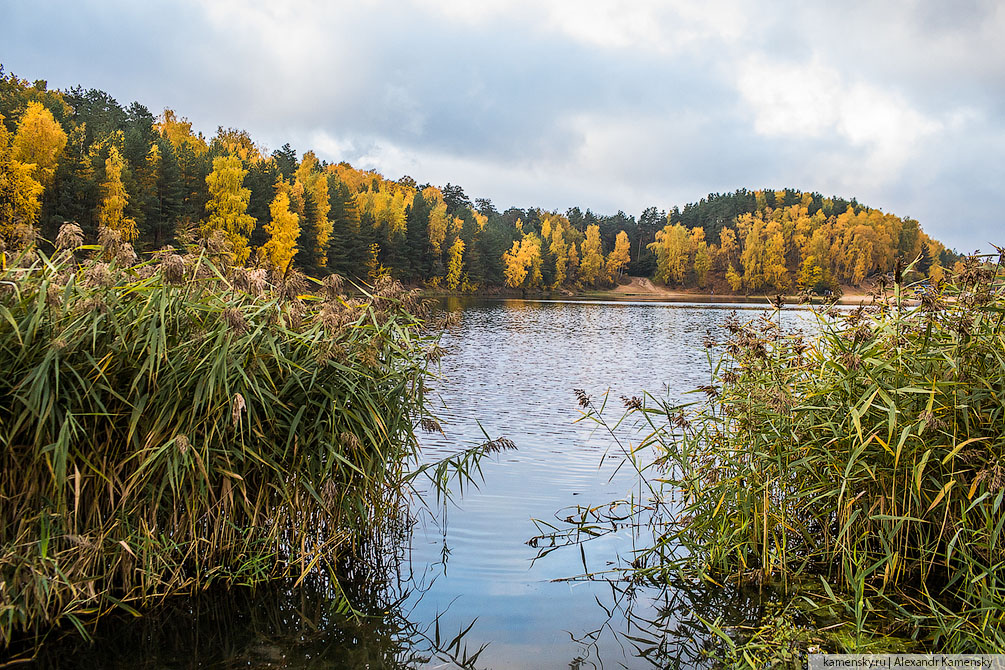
(347, 251)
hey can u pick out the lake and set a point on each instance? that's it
(510, 370)
(512, 367)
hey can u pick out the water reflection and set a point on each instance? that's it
(665, 626)
(283, 624)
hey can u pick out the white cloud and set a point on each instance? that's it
(650, 25)
(810, 101)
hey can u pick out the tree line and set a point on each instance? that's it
(78, 155)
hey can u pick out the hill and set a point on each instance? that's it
(79, 155)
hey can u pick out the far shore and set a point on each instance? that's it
(643, 289)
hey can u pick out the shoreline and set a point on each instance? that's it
(643, 290)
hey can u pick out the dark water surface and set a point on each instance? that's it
(511, 369)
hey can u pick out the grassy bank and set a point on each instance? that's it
(168, 425)
(860, 472)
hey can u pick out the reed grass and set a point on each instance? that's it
(171, 424)
(861, 471)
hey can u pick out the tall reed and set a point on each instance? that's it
(169, 424)
(869, 460)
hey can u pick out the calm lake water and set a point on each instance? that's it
(512, 367)
(510, 370)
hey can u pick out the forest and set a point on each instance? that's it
(80, 156)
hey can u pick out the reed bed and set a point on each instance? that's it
(171, 424)
(860, 471)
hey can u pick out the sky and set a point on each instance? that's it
(604, 105)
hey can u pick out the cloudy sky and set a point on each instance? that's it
(605, 105)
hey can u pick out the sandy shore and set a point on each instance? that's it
(641, 288)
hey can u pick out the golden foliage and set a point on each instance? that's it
(40, 140)
(514, 271)
(228, 205)
(284, 231)
(522, 263)
(238, 143)
(480, 219)
(314, 184)
(111, 211)
(19, 190)
(673, 250)
(178, 131)
(437, 225)
(455, 264)
(386, 204)
(620, 257)
(560, 250)
(593, 257)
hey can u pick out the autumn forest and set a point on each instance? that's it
(80, 156)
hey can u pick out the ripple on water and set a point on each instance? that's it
(512, 367)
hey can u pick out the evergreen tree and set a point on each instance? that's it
(924, 264)
(261, 181)
(286, 160)
(457, 202)
(347, 251)
(418, 248)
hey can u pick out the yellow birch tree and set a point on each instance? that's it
(560, 250)
(673, 248)
(455, 264)
(111, 211)
(513, 270)
(283, 230)
(593, 257)
(39, 139)
(315, 185)
(228, 205)
(619, 257)
(19, 190)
